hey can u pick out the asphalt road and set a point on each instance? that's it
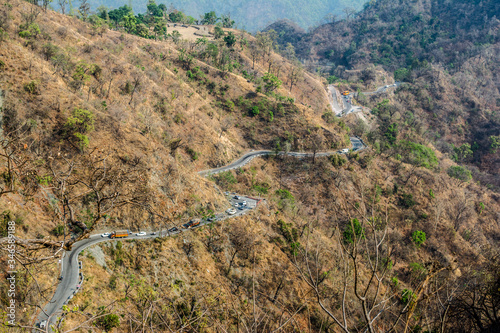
(349, 108)
(71, 278)
(357, 144)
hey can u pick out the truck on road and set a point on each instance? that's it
(120, 234)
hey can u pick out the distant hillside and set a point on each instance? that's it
(448, 51)
(250, 15)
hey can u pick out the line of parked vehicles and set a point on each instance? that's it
(241, 205)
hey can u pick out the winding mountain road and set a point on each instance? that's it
(72, 279)
(357, 144)
(347, 100)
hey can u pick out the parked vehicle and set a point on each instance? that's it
(120, 234)
(43, 324)
(231, 211)
(191, 224)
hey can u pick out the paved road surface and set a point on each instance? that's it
(348, 107)
(357, 144)
(72, 279)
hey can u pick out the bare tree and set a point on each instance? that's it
(62, 4)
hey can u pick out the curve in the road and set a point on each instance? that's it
(357, 144)
(70, 272)
(349, 108)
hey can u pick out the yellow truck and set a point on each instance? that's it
(120, 234)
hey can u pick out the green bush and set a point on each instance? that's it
(225, 178)
(58, 230)
(285, 195)
(418, 237)
(353, 231)
(254, 111)
(194, 154)
(337, 160)
(32, 88)
(417, 154)
(459, 172)
(406, 200)
(407, 296)
(81, 121)
(108, 322)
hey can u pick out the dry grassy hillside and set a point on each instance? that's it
(102, 129)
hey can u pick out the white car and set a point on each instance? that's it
(244, 203)
(345, 151)
(106, 234)
(231, 211)
(43, 324)
(142, 233)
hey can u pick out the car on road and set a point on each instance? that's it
(142, 233)
(43, 324)
(211, 219)
(106, 234)
(345, 93)
(236, 197)
(344, 151)
(191, 224)
(231, 211)
(153, 233)
(174, 229)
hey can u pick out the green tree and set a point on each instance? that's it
(353, 231)
(230, 39)
(209, 18)
(129, 22)
(462, 153)
(226, 21)
(391, 133)
(142, 30)
(218, 32)
(78, 125)
(459, 172)
(418, 155)
(271, 82)
(254, 111)
(494, 143)
(418, 237)
(108, 322)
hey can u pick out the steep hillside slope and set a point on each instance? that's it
(102, 130)
(447, 50)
